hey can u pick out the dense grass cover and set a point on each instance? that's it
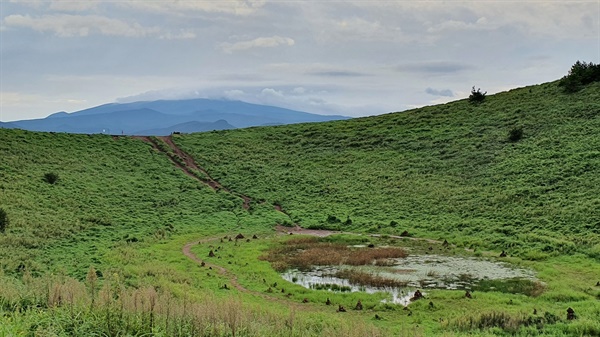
(111, 192)
(93, 226)
(453, 171)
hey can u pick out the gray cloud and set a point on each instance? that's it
(260, 42)
(67, 25)
(434, 67)
(337, 73)
(346, 57)
(444, 92)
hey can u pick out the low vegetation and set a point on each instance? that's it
(98, 250)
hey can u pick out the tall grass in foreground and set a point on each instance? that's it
(65, 306)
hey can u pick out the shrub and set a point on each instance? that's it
(51, 178)
(477, 97)
(3, 220)
(581, 74)
(515, 134)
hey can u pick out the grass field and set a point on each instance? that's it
(99, 251)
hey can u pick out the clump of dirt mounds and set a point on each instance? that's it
(305, 252)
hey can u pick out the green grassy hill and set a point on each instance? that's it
(99, 251)
(110, 192)
(445, 171)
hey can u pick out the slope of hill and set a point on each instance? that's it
(99, 251)
(446, 171)
(139, 117)
(109, 190)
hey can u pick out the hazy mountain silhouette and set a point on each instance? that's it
(167, 116)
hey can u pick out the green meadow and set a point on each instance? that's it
(119, 244)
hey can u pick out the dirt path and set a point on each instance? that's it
(187, 251)
(189, 165)
(323, 233)
(233, 280)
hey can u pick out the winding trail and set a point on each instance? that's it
(186, 163)
(189, 166)
(187, 251)
(233, 280)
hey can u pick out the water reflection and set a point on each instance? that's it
(417, 271)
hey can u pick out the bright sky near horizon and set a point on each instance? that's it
(354, 58)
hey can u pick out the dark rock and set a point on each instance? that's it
(239, 236)
(211, 254)
(417, 296)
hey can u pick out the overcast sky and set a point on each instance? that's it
(354, 58)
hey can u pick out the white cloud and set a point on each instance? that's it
(181, 35)
(232, 7)
(72, 6)
(261, 42)
(65, 25)
(270, 92)
(298, 90)
(481, 23)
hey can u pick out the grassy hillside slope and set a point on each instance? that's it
(99, 252)
(110, 192)
(447, 171)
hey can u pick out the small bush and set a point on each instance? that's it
(3, 220)
(515, 134)
(51, 178)
(477, 97)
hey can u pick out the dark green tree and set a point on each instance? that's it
(477, 96)
(580, 74)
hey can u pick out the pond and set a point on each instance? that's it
(416, 271)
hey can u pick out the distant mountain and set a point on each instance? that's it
(166, 116)
(4, 125)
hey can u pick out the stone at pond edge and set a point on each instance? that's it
(418, 295)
